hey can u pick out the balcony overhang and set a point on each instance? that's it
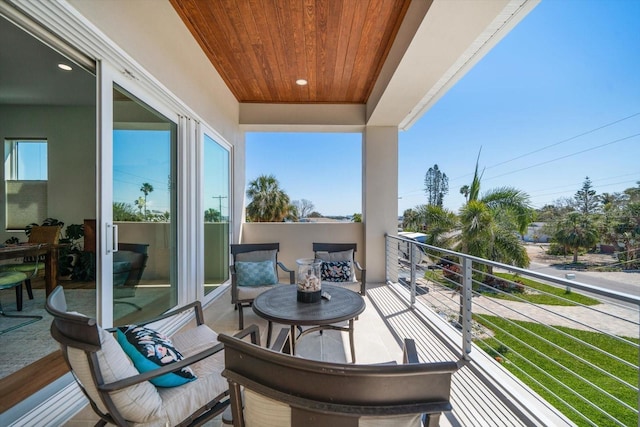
(437, 43)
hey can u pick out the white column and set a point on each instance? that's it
(380, 195)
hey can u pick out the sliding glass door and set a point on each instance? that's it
(144, 210)
(216, 195)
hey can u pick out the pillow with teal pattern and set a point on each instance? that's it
(149, 350)
(260, 273)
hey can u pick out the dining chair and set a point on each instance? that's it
(45, 234)
(14, 279)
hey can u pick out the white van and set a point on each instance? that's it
(419, 255)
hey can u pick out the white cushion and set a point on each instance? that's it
(251, 292)
(261, 411)
(140, 403)
(180, 402)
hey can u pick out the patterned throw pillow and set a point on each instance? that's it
(336, 271)
(256, 273)
(148, 350)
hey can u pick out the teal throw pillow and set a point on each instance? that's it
(255, 273)
(149, 350)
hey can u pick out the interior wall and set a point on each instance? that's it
(71, 136)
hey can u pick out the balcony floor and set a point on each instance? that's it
(378, 335)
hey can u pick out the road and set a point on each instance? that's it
(627, 283)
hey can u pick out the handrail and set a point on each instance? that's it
(543, 345)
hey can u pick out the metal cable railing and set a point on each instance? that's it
(556, 335)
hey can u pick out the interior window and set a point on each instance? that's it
(26, 174)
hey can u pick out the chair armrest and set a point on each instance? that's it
(196, 306)
(363, 278)
(172, 367)
(281, 343)
(292, 275)
(234, 284)
(251, 330)
(409, 352)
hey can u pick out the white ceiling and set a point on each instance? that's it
(29, 73)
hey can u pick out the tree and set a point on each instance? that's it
(436, 185)
(490, 225)
(464, 190)
(141, 204)
(146, 189)
(587, 202)
(411, 220)
(124, 212)
(357, 217)
(304, 207)
(439, 224)
(268, 203)
(576, 231)
(633, 193)
(212, 215)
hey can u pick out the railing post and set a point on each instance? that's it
(467, 281)
(413, 274)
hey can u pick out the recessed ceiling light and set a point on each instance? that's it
(64, 67)
(301, 82)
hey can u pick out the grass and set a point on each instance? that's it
(549, 295)
(519, 339)
(543, 294)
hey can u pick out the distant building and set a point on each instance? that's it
(534, 233)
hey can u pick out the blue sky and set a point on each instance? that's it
(558, 99)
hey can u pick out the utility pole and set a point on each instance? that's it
(220, 204)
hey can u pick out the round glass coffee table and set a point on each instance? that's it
(280, 305)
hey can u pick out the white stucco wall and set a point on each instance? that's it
(152, 33)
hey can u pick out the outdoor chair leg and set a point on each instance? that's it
(27, 284)
(19, 297)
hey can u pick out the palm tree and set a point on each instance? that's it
(576, 231)
(464, 190)
(491, 224)
(146, 189)
(141, 204)
(268, 202)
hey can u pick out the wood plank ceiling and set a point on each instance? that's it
(261, 47)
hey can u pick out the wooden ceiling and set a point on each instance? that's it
(261, 47)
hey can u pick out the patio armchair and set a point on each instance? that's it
(269, 388)
(254, 269)
(339, 266)
(122, 384)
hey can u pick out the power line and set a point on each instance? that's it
(554, 144)
(566, 156)
(563, 141)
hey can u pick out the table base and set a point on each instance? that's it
(293, 338)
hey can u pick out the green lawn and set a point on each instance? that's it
(547, 294)
(509, 334)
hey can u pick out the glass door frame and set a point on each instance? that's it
(202, 131)
(106, 239)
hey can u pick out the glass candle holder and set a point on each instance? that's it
(309, 280)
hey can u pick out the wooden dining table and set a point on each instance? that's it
(50, 252)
